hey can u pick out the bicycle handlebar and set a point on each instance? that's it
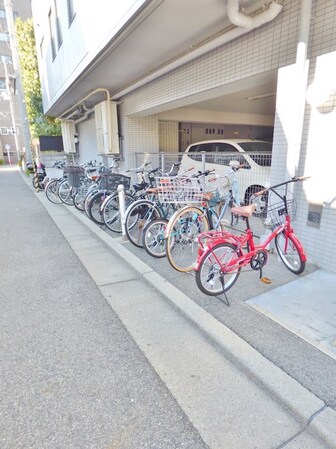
(294, 179)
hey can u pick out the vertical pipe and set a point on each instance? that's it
(203, 161)
(162, 162)
(302, 79)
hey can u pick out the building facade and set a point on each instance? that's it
(156, 75)
(11, 120)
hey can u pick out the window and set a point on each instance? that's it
(206, 147)
(52, 32)
(71, 11)
(3, 37)
(3, 85)
(2, 14)
(259, 152)
(58, 26)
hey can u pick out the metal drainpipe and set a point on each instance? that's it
(302, 64)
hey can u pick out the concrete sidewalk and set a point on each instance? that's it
(233, 396)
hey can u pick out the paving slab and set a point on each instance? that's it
(306, 307)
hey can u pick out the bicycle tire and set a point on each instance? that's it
(111, 212)
(181, 245)
(87, 200)
(138, 215)
(51, 192)
(80, 195)
(290, 256)
(153, 238)
(210, 279)
(65, 193)
(94, 206)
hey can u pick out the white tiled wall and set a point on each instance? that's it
(273, 46)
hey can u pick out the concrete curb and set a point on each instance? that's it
(317, 416)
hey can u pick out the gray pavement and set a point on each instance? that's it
(100, 341)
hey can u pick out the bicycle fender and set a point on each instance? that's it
(106, 200)
(300, 247)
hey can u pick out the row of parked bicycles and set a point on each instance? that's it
(186, 217)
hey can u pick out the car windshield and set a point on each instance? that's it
(259, 152)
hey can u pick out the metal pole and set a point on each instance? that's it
(121, 196)
(203, 161)
(162, 162)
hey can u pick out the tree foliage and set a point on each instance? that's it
(40, 124)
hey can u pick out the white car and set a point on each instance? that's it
(255, 155)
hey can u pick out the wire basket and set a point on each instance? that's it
(177, 190)
(74, 174)
(111, 181)
(274, 213)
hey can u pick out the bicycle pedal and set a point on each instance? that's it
(265, 280)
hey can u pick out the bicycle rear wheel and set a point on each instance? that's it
(289, 253)
(138, 215)
(210, 278)
(153, 237)
(181, 245)
(95, 204)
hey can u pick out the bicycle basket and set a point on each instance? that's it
(274, 214)
(178, 190)
(111, 181)
(74, 174)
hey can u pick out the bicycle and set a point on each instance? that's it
(171, 193)
(76, 183)
(189, 221)
(51, 188)
(222, 255)
(110, 209)
(142, 212)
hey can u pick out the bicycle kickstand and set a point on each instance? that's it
(263, 279)
(226, 300)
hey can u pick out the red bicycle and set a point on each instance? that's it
(222, 255)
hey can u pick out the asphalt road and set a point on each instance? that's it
(71, 376)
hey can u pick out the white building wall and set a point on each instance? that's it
(270, 47)
(138, 135)
(318, 155)
(89, 32)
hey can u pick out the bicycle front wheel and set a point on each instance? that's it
(181, 245)
(153, 238)
(289, 253)
(95, 204)
(51, 192)
(65, 193)
(211, 277)
(138, 215)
